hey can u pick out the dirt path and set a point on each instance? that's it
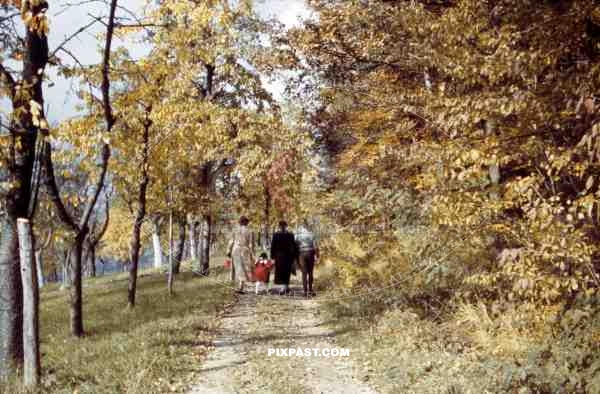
(240, 364)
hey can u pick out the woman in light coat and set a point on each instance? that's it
(241, 251)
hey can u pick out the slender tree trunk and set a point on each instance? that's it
(39, 267)
(66, 271)
(31, 338)
(205, 243)
(85, 260)
(201, 245)
(76, 294)
(266, 237)
(179, 246)
(91, 261)
(92, 242)
(39, 258)
(135, 257)
(171, 267)
(133, 268)
(158, 253)
(139, 220)
(193, 242)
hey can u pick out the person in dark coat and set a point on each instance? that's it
(284, 251)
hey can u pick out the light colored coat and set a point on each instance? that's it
(242, 253)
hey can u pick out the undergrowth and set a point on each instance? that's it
(406, 345)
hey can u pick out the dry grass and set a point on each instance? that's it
(502, 336)
(154, 348)
(402, 351)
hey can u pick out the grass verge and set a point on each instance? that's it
(156, 347)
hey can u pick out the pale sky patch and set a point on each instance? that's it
(66, 18)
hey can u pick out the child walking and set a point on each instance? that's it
(262, 272)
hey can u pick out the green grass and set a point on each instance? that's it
(155, 347)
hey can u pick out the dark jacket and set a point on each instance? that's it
(284, 251)
(284, 245)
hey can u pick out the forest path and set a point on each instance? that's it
(240, 363)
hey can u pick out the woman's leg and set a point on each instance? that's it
(311, 269)
(302, 264)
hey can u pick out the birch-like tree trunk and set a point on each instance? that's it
(31, 339)
(158, 252)
(170, 262)
(65, 266)
(91, 261)
(39, 264)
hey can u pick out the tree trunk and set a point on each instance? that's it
(91, 261)
(171, 265)
(158, 253)
(85, 260)
(134, 257)
(179, 246)
(205, 244)
(39, 267)
(31, 338)
(11, 306)
(76, 294)
(266, 235)
(193, 243)
(66, 271)
(55, 274)
(139, 219)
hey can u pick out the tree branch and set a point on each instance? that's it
(108, 114)
(36, 176)
(46, 242)
(90, 85)
(52, 189)
(69, 38)
(87, 213)
(102, 231)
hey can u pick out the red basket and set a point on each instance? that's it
(227, 263)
